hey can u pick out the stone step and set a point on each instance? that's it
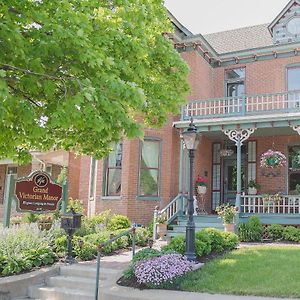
(74, 282)
(58, 293)
(87, 271)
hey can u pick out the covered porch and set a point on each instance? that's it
(246, 130)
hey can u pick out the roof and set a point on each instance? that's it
(240, 39)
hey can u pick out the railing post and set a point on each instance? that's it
(97, 273)
(244, 99)
(155, 215)
(133, 239)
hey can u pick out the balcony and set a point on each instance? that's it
(246, 105)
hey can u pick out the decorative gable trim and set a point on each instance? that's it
(282, 14)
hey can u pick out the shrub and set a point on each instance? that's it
(40, 256)
(176, 244)
(231, 240)
(141, 236)
(118, 222)
(217, 240)
(30, 217)
(205, 241)
(76, 204)
(83, 249)
(291, 233)
(275, 231)
(60, 246)
(161, 270)
(251, 231)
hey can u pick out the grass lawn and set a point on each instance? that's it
(262, 271)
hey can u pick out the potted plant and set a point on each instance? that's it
(161, 222)
(201, 185)
(253, 186)
(273, 159)
(227, 213)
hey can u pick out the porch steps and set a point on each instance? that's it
(201, 222)
(76, 282)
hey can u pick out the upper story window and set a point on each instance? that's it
(114, 171)
(149, 168)
(235, 82)
(293, 78)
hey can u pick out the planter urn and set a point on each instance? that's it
(201, 189)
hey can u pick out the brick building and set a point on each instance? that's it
(245, 100)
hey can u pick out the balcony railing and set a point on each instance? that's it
(259, 205)
(243, 105)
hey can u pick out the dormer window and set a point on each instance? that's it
(293, 26)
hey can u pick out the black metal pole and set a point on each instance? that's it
(190, 226)
(70, 259)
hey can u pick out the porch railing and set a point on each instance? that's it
(243, 105)
(258, 205)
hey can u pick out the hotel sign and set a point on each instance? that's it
(37, 193)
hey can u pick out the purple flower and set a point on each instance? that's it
(158, 270)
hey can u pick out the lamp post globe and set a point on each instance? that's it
(190, 140)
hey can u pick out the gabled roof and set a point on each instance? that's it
(282, 13)
(240, 39)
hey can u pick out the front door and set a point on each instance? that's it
(230, 180)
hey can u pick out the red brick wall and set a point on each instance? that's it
(2, 181)
(74, 175)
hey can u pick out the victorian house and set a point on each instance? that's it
(245, 103)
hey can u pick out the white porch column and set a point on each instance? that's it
(239, 136)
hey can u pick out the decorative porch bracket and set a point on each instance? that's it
(238, 136)
(296, 128)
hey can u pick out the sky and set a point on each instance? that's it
(207, 16)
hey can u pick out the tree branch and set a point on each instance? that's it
(18, 91)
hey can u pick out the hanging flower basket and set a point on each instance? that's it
(272, 159)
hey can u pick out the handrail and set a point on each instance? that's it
(171, 211)
(101, 245)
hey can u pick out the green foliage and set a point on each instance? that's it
(145, 254)
(231, 240)
(118, 222)
(216, 239)
(67, 81)
(227, 213)
(83, 249)
(251, 231)
(76, 204)
(40, 256)
(291, 233)
(275, 231)
(141, 236)
(30, 217)
(206, 241)
(62, 176)
(60, 246)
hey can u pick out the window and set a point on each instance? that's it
(149, 168)
(294, 168)
(235, 82)
(293, 75)
(114, 171)
(12, 170)
(293, 26)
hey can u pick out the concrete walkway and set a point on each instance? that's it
(116, 292)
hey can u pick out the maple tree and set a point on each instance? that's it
(81, 74)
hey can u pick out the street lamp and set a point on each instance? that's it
(191, 142)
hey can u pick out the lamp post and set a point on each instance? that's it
(190, 141)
